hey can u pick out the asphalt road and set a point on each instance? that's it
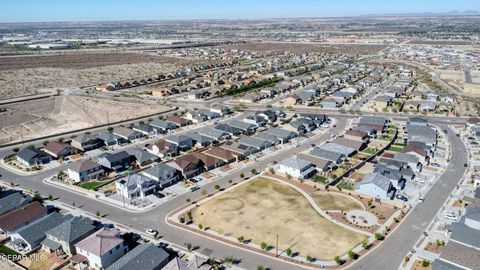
(155, 218)
(397, 245)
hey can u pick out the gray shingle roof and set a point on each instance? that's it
(326, 154)
(296, 163)
(72, 229)
(13, 201)
(35, 231)
(142, 257)
(28, 153)
(377, 179)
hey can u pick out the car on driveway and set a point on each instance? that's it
(151, 232)
(451, 216)
(193, 189)
(402, 197)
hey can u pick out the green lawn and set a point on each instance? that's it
(320, 179)
(90, 185)
(7, 251)
(394, 148)
(346, 185)
(369, 151)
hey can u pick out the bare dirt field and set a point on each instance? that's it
(24, 75)
(332, 201)
(64, 113)
(263, 208)
(310, 47)
(440, 42)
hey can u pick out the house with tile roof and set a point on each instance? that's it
(102, 248)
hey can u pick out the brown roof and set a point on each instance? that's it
(462, 255)
(178, 120)
(56, 147)
(415, 148)
(388, 155)
(222, 153)
(473, 120)
(186, 160)
(209, 161)
(101, 241)
(22, 215)
(378, 128)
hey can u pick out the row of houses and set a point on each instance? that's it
(29, 226)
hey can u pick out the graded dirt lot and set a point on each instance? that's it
(331, 201)
(64, 113)
(24, 75)
(263, 208)
(309, 47)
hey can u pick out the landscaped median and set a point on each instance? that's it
(253, 214)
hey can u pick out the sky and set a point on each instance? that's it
(104, 10)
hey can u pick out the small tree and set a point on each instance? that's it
(217, 187)
(425, 263)
(188, 200)
(242, 175)
(289, 176)
(50, 197)
(289, 252)
(260, 267)
(241, 239)
(230, 181)
(338, 260)
(271, 170)
(365, 244)
(200, 226)
(352, 255)
(15, 150)
(188, 246)
(253, 171)
(263, 245)
(370, 202)
(309, 258)
(110, 129)
(378, 236)
(45, 142)
(181, 219)
(228, 260)
(97, 213)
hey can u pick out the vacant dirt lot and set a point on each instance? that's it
(332, 201)
(262, 208)
(440, 42)
(310, 47)
(23, 75)
(64, 113)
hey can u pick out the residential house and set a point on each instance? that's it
(339, 148)
(233, 131)
(142, 257)
(179, 121)
(448, 98)
(146, 130)
(267, 137)
(297, 168)
(30, 157)
(358, 145)
(427, 106)
(165, 175)
(115, 161)
(86, 142)
(142, 157)
(209, 161)
(182, 142)
(331, 103)
(58, 149)
(334, 157)
(163, 126)
(13, 200)
(377, 186)
(64, 236)
(215, 134)
(257, 143)
(189, 165)
(256, 120)
(108, 138)
(283, 134)
(241, 149)
(85, 170)
(21, 216)
(135, 185)
(462, 250)
(163, 149)
(200, 140)
(226, 155)
(291, 100)
(31, 236)
(243, 126)
(127, 133)
(382, 102)
(413, 161)
(357, 135)
(102, 248)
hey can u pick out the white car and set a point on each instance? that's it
(451, 217)
(421, 199)
(151, 232)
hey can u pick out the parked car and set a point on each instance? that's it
(193, 189)
(421, 199)
(151, 232)
(465, 165)
(435, 165)
(451, 216)
(402, 197)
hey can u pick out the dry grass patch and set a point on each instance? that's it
(263, 208)
(332, 201)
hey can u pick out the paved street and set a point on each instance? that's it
(396, 246)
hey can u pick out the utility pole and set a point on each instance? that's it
(21, 133)
(276, 252)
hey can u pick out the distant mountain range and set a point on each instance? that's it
(451, 13)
